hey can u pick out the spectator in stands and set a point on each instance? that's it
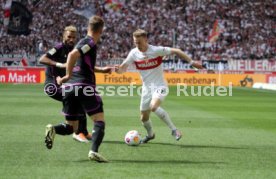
(248, 26)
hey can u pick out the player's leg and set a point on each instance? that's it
(98, 131)
(66, 128)
(161, 113)
(70, 110)
(94, 108)
(145, 114)
(82, 134)
(158, 97)
(83, 125)
(97, 137)
(148, 126)
(54, 91)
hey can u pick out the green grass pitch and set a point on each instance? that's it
(224, 137)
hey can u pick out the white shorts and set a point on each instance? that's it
(159, 92)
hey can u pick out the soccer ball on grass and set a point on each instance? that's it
(132, 138)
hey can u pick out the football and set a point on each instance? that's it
(132, 138)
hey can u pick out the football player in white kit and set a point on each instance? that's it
(148, 61)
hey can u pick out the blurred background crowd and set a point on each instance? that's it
(247, 28)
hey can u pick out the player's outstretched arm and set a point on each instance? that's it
(185, 57)
(103, 69)
(121, 68)
(47, 61)
(73, 56)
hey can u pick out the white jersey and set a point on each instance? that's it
(149, 64)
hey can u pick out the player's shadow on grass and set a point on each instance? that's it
(166, 161)
(181, 145)
(120, 142)
(156, 161)
(113, 142)
(199, 146)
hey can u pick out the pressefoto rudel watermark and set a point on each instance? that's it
(132, 90)
(212, 90)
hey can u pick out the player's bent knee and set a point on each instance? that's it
(155, 103)
(145, 116)
(97, 117)
(74, 125)
(154, 108)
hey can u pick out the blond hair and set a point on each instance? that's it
(140, 33)
(70, 28)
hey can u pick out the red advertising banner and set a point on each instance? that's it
(20, 75)
(37, 75)
(271, 79)
(223, 72)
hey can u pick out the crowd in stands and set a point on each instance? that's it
(248, 29)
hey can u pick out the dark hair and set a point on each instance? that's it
(96, 23)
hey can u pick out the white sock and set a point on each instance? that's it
(148, 127)
(164, 116)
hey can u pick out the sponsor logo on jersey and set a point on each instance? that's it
(148, 64)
